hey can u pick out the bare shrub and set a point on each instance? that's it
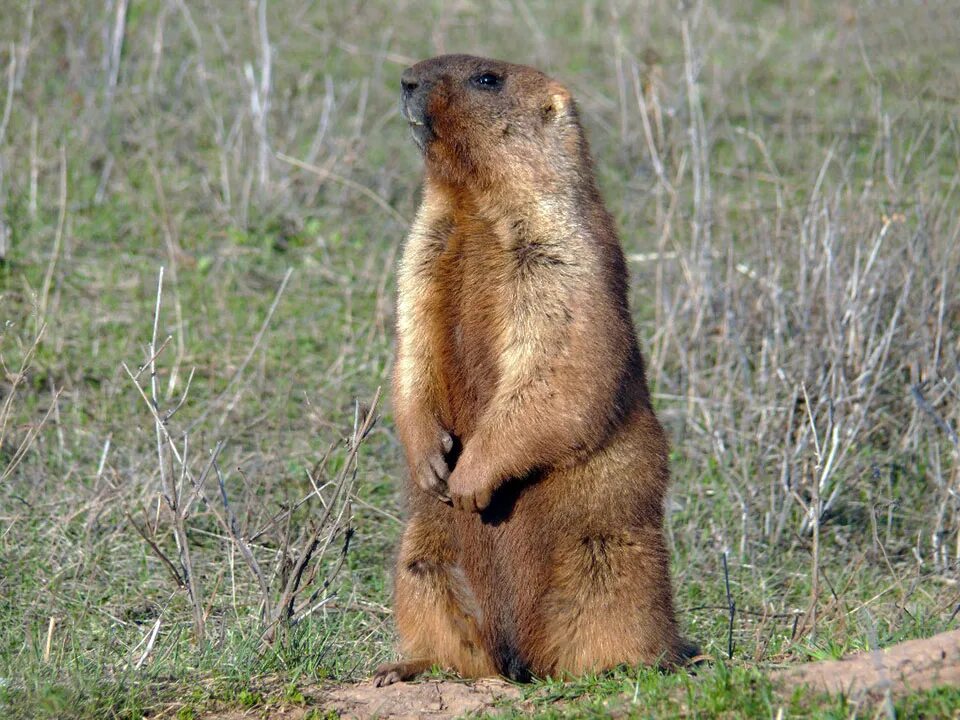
(293, 572)
(805, 340)
(19, 444)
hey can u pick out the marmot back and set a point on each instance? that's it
(537, 468)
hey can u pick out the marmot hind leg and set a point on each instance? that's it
(609, 603)
(436, 612)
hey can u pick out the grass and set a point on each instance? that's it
(785, 177)
(726, 691)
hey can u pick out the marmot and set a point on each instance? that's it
(538, 470)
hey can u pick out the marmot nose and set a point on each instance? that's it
(409, 81)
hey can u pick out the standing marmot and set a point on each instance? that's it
(538, 470)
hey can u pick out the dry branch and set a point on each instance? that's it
(279, 596)
(904, 668)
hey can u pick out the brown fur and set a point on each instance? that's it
(538, 469)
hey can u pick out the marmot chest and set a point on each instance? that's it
(475, 274)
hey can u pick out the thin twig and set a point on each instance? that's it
(232, 527)
(731, 606)
(944, 426)
(246, 360)
(116, 51)
(57, 238)
(362, 189)
(167, 563)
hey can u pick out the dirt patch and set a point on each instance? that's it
(901, 669)
(432, 699)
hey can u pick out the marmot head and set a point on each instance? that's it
(484, 123)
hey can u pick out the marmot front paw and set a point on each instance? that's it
(432, 471)
(469, 486)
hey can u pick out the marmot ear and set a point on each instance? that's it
(558, 100)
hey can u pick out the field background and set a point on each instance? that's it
(786, 180)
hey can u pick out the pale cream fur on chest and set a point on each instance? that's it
(540, 232)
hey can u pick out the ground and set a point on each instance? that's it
(200, 488)
(871, 679)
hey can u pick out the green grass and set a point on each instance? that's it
(823, 128)
(724, 692)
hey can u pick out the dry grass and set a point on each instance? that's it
(785, 177)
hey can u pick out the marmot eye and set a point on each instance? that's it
(487, 81)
